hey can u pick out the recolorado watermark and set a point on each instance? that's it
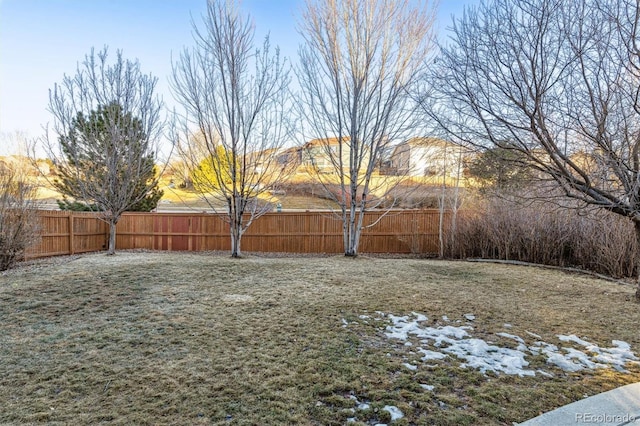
(607, 418)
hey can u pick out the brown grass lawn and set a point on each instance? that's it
(174, 338)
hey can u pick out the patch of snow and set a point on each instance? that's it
(486, 356)
(544, 373)
(364, 317)
(419, 317)
(445, 318)
(506, 325)
(429, 355)
(427, 387)
(522, 347)
(470, 317)
(363, 406)
(395, 412)
(408, 344)
(410, 366)
(561, 361)
(475, 353)
(511, 336)
(537, 336)
(351, 419)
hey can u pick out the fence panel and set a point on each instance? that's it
(65, 232)
(402, 231)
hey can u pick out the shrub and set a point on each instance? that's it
(598, 241)
(18, 219)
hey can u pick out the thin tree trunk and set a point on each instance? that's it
(236, 237)
(636, 226)
(235, 245)
(352, 248)
(454, 206)
(351, 235)
(112, 237)
(345, 232)
(441, 210)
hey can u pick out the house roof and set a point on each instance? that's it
(325, 141)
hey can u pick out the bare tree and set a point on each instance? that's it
(107, 128)
(19, 223)
(359, 63)
(557, 82)
(235, 118)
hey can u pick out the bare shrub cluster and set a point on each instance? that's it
(598, 241)
(19, 226)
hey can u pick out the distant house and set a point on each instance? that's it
(427, 157)
(260, 162)
(290, 157)
(324, 155)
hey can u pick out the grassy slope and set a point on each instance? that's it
(168, 338)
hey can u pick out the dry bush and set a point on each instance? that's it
(598, 241)
(19, 227)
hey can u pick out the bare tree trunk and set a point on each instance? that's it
(351, 250)
(112, 236)
(636, 227)
(454, 206)
(236, 238)
(442, 207)
(236, 229)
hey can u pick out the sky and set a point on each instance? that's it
(42, 40)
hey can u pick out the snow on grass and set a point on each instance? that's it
(445, 341)
(395, 412)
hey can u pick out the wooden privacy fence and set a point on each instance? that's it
(402, 231)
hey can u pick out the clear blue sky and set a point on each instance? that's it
(41, 40)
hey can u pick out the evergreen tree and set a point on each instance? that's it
(107, 140)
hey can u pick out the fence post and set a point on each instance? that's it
(71, 234)
(190, 240)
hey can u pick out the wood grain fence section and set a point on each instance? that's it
(64, 232)
(403, 231)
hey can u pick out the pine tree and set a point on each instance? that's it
(107, 140)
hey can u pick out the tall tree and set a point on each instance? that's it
(235, 118)
(90, 148)
(358, 66)
(556, 82)
(108, 125)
